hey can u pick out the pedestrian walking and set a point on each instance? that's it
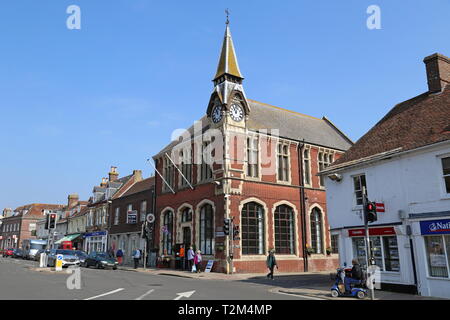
(271, 263)
(119, 255)
(136, 257)
(198, 260)
(182, 258)
(190, 257)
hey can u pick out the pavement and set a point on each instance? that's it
(314, 285)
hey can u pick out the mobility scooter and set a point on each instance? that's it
(338, 289)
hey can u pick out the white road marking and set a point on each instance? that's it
(105, 294)
(145, 294)
(184, 294)
(299, 295)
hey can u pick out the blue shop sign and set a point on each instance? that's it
(435, 227)
(95, 234)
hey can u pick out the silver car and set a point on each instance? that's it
(69, 258)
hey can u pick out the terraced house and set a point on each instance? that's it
(254, 163)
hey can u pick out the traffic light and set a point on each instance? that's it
(226, 226)
(52, 221)
(371, 212)
(46, 221)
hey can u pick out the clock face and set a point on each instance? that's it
(217, 113)
(236, 112)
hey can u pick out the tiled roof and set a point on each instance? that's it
(35, 209)
(140, 186)
(291, 125)
(414, 123)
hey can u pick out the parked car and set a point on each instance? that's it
(18, 253)
(8, 252)
(37, 255)
(100, 260)
(81, 255)
(69, 258)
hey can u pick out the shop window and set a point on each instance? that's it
(252, 228)
(206, 229)
(284, 230)
(437, 256)
(384, 251)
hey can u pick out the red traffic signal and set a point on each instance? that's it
(371, 212)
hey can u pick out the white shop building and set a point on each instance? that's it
(404, 164)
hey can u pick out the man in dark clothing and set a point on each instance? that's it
(356, 276)
(271, 263)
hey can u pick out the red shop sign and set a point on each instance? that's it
(372, 232)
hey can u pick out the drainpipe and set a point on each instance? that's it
(303, 206)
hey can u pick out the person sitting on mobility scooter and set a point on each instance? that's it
(356, 276)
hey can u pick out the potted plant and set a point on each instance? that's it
(328, 250)
(309, 250)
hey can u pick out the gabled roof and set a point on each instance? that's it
(418, 122)
(140, 186)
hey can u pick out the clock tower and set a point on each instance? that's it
(228, 104)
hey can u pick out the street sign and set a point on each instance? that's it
(151, 218)
(132, 217)
(209, 266)
(380, 207)
(59, 262)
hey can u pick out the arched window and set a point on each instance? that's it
(316, 231)
(252, 225)
(284, 230)
(206, 229)
(186, 215)
(167, 232)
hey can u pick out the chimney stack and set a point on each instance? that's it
(137, 175)
(113, 174)
(438, 71)
(72, 200)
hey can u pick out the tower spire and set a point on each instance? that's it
(228, 62)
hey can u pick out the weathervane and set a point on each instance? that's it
(228, 14)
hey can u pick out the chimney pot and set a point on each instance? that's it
(438, 71)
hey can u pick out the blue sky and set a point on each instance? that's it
(75, 102)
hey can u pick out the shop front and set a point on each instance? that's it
(69, 242)
(96, 241)
(390, 250)
(433, 253)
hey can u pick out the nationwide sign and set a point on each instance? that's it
(435, 226)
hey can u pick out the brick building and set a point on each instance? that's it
(21, 224)
(254, 163)
(96, 236)
(128, 212)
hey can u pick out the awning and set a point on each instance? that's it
(68, 238)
